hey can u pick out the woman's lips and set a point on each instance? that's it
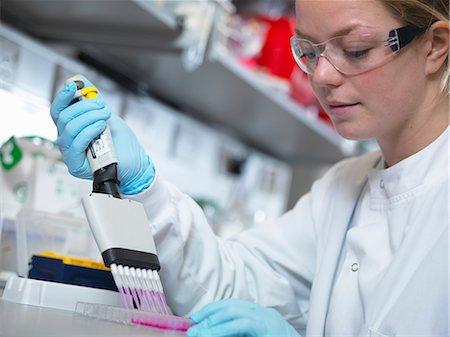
(342, 109)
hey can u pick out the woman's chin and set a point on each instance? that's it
(351, 132)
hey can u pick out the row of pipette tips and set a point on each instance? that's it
(142, 287)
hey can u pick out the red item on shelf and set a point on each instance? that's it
(324, 116)
(276, 53)
(301, 90)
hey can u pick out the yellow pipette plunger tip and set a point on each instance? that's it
(89, 92)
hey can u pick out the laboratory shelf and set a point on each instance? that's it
(140, 40)
(306, 116)
(158, 12)
(127, 23)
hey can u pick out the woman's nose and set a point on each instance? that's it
(325, 73)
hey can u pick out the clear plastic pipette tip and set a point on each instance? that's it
(140, 288)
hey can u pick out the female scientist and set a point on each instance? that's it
(365, 252)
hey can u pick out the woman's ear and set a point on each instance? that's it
(439, 38)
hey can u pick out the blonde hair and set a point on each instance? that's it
(423, 13)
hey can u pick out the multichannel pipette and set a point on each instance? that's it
(120, 226)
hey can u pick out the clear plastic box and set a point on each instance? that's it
(36, 231)
(55, 295)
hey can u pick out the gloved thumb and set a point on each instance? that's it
(62, 100)
(80, 77)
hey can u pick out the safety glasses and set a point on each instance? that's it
(353, 54)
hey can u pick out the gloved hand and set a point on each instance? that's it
(232, 317)
(79, 123)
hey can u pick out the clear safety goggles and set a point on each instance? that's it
(353, 54)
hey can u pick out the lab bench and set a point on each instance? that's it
(17, 320)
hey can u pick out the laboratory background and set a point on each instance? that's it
(209, 87)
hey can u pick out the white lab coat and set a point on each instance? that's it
(290, 264)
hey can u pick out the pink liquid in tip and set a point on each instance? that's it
(128, 298)
(162, 303)
(134, 294)
(123, 296)
(141, 299)
(156, 302)
(149, 301)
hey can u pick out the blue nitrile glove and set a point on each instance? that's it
(228, 318)
(79, 123)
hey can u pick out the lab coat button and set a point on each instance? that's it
(355, 266)
(382, 183)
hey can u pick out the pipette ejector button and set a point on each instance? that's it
(80, 84)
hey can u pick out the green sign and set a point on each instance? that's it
(10, 154)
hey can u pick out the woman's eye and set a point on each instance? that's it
(356, 53)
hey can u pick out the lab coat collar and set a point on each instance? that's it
(391, 185)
